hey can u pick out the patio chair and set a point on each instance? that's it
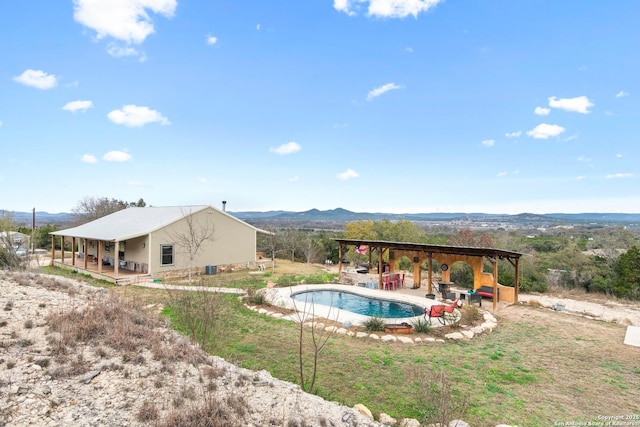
(444, 293)
(435, 311)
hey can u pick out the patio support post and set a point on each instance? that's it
(429, 288)
(416, 271)
(495, 282)
(73, 251)
(85, 249)
(62, 249)
(517, 290)
(53, 248)
(339, 259)
(99, 255)
(380, 269)
(116, 259)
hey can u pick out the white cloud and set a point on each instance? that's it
(0, 123)
(117, 156)
(386, 8)
(88, 158)
(135, 183)
(489, 142)
(124, 20)
(37, 78)
(382, 89)
(348, 174)
(619, 156)
(515, 134)
(621, 94)
(544, 131)
(135, 116)
(202, 180)
(212, 40)
(78, 105)
(584, 159)
(123, 51)
(581, 177)
(501, 174)
(608, 113)
(408, 49)
(580, 104)
(294, 179)
(570, 138)
(288, 148)
(258, 27)
(541, 111)
(619, 175)
(344, 6)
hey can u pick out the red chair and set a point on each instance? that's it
(435, 311)
(453, 306)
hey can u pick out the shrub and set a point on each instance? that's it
(421, 326)
(470, 314)
(148, 412)
(374, 324)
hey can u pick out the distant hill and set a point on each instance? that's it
(42, 218)
(340, 216)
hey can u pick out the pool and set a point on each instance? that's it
(359, 304)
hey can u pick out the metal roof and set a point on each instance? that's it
(421, 247)
(135, 222)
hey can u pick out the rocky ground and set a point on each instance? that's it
(59, 366)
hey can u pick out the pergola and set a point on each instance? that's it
(445, 255)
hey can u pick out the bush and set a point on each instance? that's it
(374, 324)
(470, 314)
(421, 326)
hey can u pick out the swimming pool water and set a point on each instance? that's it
(359, 304)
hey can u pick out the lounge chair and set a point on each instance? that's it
(435, 311)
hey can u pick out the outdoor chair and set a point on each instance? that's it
(435, 311)
(444, 293)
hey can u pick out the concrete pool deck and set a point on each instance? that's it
(281, 297)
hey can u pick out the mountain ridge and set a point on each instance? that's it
(341, 215)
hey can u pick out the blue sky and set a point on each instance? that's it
(403, 106)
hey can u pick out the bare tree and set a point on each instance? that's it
(10, 258)
(191, 240)
(319, 338)
(91, 208)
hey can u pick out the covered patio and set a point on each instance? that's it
(418, 253)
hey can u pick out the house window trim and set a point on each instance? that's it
(173, 254)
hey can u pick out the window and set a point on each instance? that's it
(166, 252)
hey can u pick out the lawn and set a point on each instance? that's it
(537, 368)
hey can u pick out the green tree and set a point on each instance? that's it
(627, 269)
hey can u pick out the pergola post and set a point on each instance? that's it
(495, 283)
(339, 259)
(62, 249)
(73, 251)
(429, 275)
(380, 269)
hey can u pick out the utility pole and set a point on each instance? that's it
(33, 229)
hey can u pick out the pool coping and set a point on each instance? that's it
(281, 297)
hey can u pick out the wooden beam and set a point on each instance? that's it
(73, 251)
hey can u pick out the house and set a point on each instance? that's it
(15, 240)
(158, 242)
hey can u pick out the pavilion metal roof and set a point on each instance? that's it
(443, 249)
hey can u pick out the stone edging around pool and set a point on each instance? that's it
(281, 297)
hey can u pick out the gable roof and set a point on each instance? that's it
(135, 222)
